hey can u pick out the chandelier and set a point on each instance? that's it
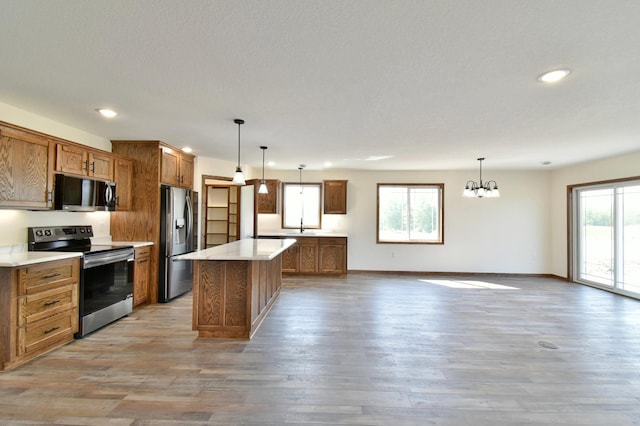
(479, 189)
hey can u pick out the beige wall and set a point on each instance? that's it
(505, 235)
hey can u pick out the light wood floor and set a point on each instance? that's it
(369, 349)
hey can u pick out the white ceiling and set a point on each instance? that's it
(434, 84)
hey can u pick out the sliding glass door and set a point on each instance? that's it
(607, 235)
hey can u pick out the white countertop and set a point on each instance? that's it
(135, 244)
(17, 255)
(12, 260)
(306, 233)
(246, 249)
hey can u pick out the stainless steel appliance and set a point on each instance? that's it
(178, 224)
(105, 196)
(83, 194)
(106, 279)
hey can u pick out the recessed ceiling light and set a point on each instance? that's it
(378, 157)
(327, 164)
(271, 163)
(187, 149)
(554, 76)
(108, 113)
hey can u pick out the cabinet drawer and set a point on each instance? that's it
(307, 240)
(39, 335)
(49, 275)
(37, 306)
(333, 241)
(141, 252)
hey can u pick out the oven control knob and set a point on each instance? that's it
(39, 233)
(82, 230)
(47, 232)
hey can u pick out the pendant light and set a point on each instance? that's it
(263, 184)
(478, 189)
(300, 167)
(238, 178)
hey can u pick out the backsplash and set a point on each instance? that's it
(14, 223)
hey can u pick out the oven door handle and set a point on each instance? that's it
(105, 259)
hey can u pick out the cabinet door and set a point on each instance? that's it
(101, 166)
(123, 176)
(169, 173)
(335, 197)
(24, 184)
(308, 249)
(72, 159)
(268, 203)
(186, 171)
(141, 274)
(290, 259)
(333, 256)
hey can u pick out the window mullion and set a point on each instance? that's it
(618, 232)
(409, 220)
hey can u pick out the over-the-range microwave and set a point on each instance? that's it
(77, 194)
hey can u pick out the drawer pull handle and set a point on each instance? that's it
(53, 302)
(51, 275)
(51, 330)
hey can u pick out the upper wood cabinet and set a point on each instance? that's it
(335, 197)
(267, 203)
(123, 177)
(77, 160)
(176, 168)
(26, 178)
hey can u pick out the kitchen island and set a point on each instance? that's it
(235, 285)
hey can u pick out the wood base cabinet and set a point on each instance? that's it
(332, 256)
(39, 309)
(141, 274)
(316, 255)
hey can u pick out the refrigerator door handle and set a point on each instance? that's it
(169, 222)
(189, 236)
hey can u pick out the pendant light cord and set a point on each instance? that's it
(239, 144)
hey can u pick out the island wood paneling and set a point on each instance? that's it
(231, 298)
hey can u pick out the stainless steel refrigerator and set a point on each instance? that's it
(178, 228)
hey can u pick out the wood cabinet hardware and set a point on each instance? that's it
(52, 275)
